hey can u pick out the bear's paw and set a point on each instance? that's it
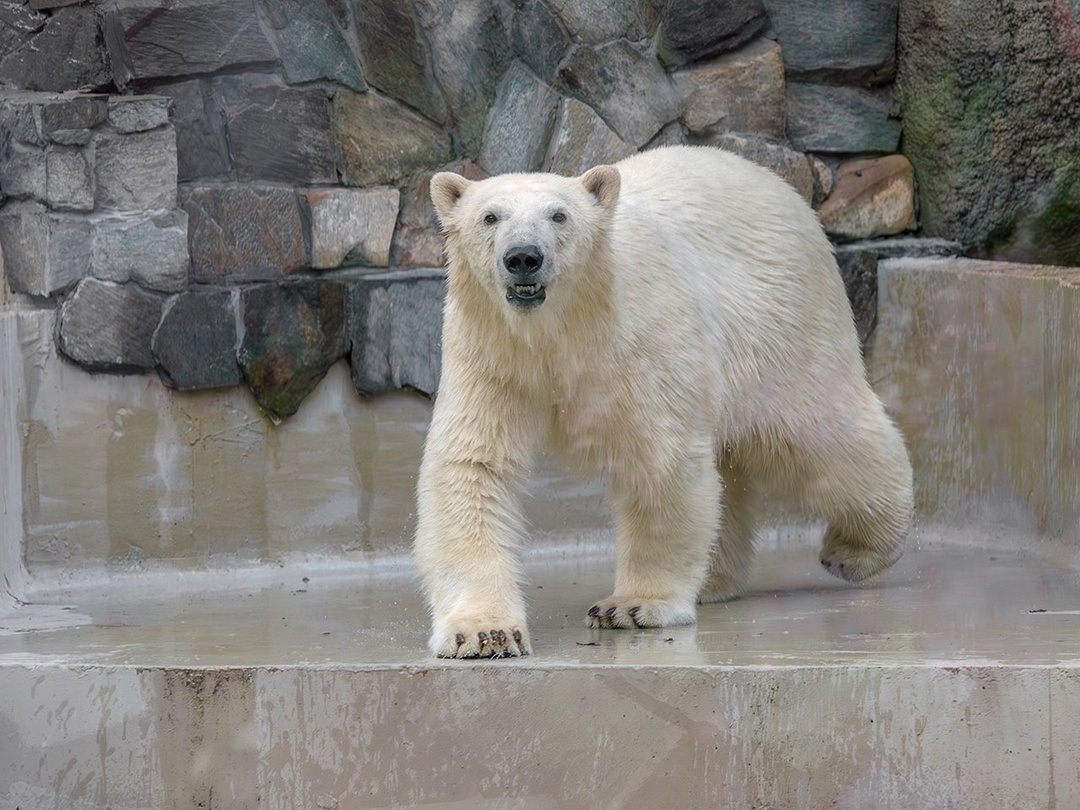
(857, 564)
(633, 611)
(483, 637)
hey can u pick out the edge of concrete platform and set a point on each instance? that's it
(497, 737)
(962, 265)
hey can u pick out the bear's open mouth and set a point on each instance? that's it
(529, 295)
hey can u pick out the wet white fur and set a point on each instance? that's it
(696, 347)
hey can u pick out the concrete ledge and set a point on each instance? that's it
(979, 362)
(949, 682)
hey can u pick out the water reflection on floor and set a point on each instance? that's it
(939, 605)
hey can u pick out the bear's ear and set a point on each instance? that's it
(603, 183)
(446, 190)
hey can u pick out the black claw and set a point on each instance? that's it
(610, 611)
(594, 610)
(460, 639)
(634, 611)
(517, 636)
(482, 637)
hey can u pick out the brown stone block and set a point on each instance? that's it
(351, 226)
(243, 233)
(378, 141)
(871, 198)
(738, 92)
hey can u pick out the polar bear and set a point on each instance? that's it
(676, 323)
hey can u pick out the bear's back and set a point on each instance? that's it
(712, 249)
(700, 189)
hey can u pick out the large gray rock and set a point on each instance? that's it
(109, 327)
(71, 137)
(293, 333)
(518, 128)
(195, 344)
(277, 133)
(202, 151)
(822, 118)
(396, 56)
(18, 123)
(672, 134)
(139, 113)
(65, 54)
(991, 100)
(72, 112)
(43, 4)
(626, 86)
(351, 226)
(148, 248)
(582, 140)
(49, 251)
(22, 170)
(243, 233)
(470, 43)
(692, 30)
(843, 41)
(40, 138)
(378, 141)
(311, 43)
(44, 252)
(150, 39)
(18, 24)
(135, 171)
(737, 92)
(538, 38)
(418, 239)
(791, 166)
(599, 21)
(69, 184)
(394, 327)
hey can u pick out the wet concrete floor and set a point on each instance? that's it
(941, 604)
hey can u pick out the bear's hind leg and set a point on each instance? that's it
(732, 554)
(862, 484)
(664, 529)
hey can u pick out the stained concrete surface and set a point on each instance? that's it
(106, 476)
(952, 681)
(979, 364)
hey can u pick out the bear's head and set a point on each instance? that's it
(525, 237)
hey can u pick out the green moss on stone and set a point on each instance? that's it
(929, 108)
(1057, 227)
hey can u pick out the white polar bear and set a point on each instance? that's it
(677, 323)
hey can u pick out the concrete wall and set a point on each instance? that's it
(993, 738)
(979, 363)
(110, 475)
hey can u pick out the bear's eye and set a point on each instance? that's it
(558, 216)
(490, 219)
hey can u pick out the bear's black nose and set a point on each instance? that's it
(523, 261)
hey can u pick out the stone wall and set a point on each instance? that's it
(991, 97)
(293, 142)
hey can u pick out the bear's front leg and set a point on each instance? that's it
(666, 522)
(469, 525)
